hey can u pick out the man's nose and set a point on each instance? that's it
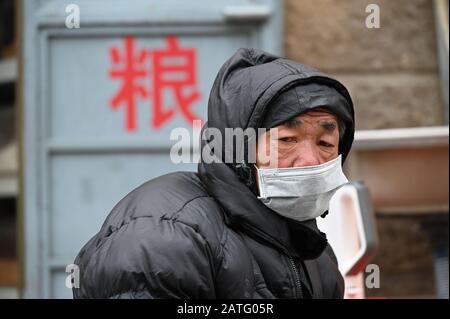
(306, 155)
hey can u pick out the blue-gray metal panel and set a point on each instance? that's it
(57, 284)
(84, 188)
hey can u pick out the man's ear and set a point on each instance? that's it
(247, 175)
(254, 186)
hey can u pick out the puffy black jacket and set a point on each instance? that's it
(205, 234)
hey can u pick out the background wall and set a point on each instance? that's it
(392, 74)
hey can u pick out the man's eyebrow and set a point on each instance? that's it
(293, 123)
(328, 126)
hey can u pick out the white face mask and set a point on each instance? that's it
(300, 193)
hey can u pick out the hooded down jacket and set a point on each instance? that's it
(205, 234)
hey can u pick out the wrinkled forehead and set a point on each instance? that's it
(318, 117)
(320, 112)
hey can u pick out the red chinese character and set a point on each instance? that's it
(133, 69)
(175, 76)
(172, 68)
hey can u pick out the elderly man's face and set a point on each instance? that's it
(308, 139)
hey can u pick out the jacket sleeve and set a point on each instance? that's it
(147, 258)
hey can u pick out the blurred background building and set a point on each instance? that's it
(74, 139)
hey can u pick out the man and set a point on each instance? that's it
(236, 230)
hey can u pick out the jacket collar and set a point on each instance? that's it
(245, 213)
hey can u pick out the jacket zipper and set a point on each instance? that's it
(297, 278)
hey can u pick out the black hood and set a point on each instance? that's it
(304, 97)
(251, 79)
(240, 97)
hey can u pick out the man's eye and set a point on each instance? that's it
(323, 143)
(287, 139)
